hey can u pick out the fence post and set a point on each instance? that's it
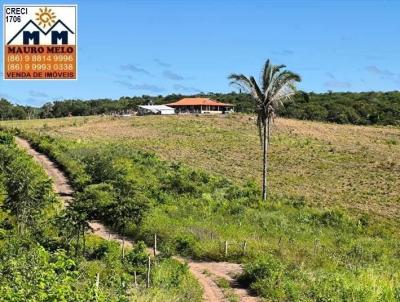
(155, 246)
(244, 247)
(316, 241)
(226, 248)
(148, 272)
(123, 247)
(97, 280)
(135, 278)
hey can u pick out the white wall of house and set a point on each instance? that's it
(155, 109)
(215, 109)
(167, 111)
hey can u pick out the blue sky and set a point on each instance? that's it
(135, 47)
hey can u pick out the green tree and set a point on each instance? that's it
(77, 219)
(136, 259)
(276, 86)
(28, 187)
(47, 110)
(5, 109)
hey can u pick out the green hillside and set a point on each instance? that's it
(327, 233)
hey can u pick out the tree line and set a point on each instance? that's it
(359, 108)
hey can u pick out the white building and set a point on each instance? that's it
(155, 109)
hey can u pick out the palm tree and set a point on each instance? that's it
(277, 86)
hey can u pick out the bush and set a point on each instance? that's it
(6, 138)
(39, 275)
(271, 279)
(265, 268)
(185, 245)
(96, 200)
(136, 260)
(331, 218)
(98, 249)
(336, 287)
(174, 276)
(29, 190)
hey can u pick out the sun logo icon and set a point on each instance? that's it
(45, 17)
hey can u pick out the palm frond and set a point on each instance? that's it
(277, 86)
(240, 79)
(265, 75)
(249, 84)
(269, 73)
(257, 90)
(284, 87)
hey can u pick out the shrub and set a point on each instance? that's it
(29, 190)
(331, 218)
(98, 249)
(336, 287)
(271, 279)
(169, 273)
(96, 200)
(185, 244)
(175, 277)
(6, 138)
(136, 260)
(267, 267)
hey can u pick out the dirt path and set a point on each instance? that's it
(207, 273)
(60, 182)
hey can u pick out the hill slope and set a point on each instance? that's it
(355, 167)
(293, 248)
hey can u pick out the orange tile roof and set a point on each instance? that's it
(197, 102)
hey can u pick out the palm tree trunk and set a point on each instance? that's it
(123, 242)
(265, 160)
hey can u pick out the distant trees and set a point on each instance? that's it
(10, 111)
(276, 87)
(47, 110)
(363, 108)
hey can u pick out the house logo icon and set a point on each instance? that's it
(32, 33)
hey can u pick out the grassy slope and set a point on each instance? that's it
(312, 254)
(327, 164)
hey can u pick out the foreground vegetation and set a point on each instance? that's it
(363, 108)
(42, 260)
(297, 248)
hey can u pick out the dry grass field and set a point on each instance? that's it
(330, 165)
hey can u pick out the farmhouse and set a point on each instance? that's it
(155, 109)
(201, 105)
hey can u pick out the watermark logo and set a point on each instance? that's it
(45, 17)
(40, 42)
